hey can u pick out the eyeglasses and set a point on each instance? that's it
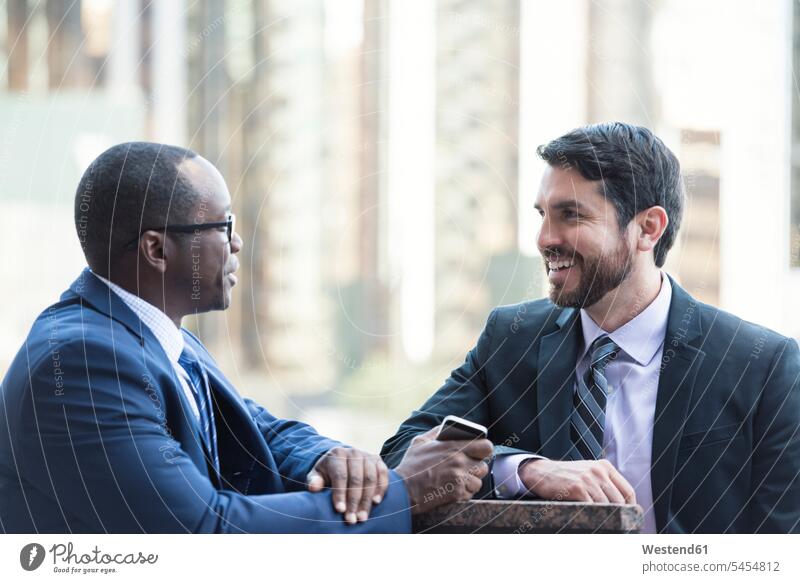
(230, 223)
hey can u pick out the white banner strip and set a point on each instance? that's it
(617, 558)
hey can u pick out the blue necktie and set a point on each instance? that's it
(589, 415)
(202, 394)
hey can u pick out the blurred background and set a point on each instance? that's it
(381, 159)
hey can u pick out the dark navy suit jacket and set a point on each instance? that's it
(726, 435)
(96, 435)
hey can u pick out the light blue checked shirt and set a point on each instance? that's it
(165, 331)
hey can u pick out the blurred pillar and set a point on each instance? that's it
(291, 302)
(697, 263)
(374, 278)
(17, 44)
(66, 63)
(620, 63)
(256, 175)
(211, 83)
(125, 50)
(169, 72)
(477, 125)
(411, 170)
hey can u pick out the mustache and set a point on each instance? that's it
(555, 253)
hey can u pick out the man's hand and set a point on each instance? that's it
(585, 481)
(358, 480)
(438, 472)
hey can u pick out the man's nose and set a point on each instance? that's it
(548, 236)
(236, 243)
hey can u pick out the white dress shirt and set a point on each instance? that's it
(630, 409)
(168, 335)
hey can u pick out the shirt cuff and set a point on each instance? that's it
(507, 483)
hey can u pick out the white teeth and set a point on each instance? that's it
(556, 265)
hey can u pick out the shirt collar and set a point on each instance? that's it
(168, 335)
(641, 337)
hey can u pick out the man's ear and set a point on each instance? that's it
(651, 224)
(152, 250)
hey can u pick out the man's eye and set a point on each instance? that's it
(571, 215)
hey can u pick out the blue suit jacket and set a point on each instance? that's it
(96, 435)
(726, 435)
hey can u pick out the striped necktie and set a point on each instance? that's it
(589, 415)
(202, 394)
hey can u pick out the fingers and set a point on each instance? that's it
(429, 435)
(368, 488)
(337, 472)
(479, 470)
(355, 481)
(472, 484)
(612, 493)
(596, 494)
(443, 472)
(578, 492)
(625, 489)
(582, 481)
(470, 479)
(383, 482)
(315, 481)
(478, 449)
(606, 485)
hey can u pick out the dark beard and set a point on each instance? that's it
(598, 277)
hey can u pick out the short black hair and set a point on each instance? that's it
(127, 188)
(636, 169)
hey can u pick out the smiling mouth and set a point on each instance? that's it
(560, 265)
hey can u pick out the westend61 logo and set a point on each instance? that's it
(66, 560)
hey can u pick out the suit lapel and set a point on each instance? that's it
(236, 428)
(679, 365)
(195, 446)
(558, 354)
(95, 293)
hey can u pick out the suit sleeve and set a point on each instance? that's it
(463, 394)
(295, 446)
(775, 502)
(101, 447)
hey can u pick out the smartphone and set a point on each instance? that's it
(457, 429)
